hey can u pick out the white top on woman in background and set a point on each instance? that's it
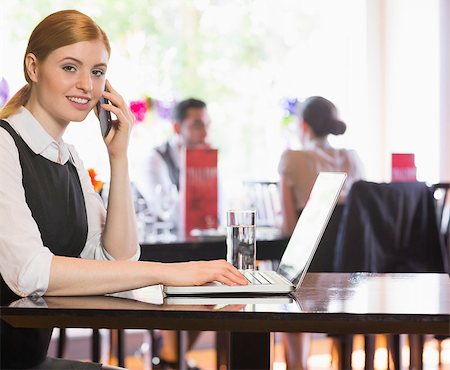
(298, 169)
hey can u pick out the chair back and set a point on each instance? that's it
(324, 256)
(264, 197)
(442, 199)
(390, 228)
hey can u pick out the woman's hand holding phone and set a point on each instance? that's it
(117, 136)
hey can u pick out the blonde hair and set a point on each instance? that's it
(58, 29)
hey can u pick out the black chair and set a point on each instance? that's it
(324, 257)
(441, 192)
(442, 199)
(389, 228)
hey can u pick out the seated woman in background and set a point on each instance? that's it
(298, 171)
(56, 238)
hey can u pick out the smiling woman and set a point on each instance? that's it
(64, 242)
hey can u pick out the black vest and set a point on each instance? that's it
(54, 195)
(174, 170)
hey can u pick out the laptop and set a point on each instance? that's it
(222, 300)
(298, 253)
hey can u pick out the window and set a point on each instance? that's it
(378, 61)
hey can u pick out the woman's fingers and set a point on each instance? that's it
(117, 139)
(118, 111)
(225, 280)
(224, 272)
(114, 97)
(118, 102)
(237, 276)
(202, 272)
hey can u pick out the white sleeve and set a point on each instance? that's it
(151, 172)
(96, 215)
(24, 260)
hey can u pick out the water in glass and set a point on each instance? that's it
(241, 242)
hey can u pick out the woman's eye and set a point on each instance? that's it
(69, 68)
(98, 73)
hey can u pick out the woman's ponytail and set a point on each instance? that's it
(13, 104)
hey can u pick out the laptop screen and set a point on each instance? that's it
(310, 226)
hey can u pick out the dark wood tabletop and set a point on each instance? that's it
(326, 302)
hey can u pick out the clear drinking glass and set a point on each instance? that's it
(241, 241)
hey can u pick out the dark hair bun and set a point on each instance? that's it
(337, 127)
(320, 114)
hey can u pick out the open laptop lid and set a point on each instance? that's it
(310, 226)
(299, 251)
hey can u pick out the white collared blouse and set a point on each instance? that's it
(24, 260)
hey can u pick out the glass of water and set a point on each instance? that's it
(241, 241)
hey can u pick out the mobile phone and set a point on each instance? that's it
(104, 116)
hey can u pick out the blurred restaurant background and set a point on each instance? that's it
(383, 63)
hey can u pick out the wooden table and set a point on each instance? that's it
(270, 246)
(358, 303)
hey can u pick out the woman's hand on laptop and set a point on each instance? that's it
(201, 272)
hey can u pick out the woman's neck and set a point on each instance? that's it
(54, 129)
(314, 142)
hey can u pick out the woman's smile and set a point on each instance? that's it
(80, 103)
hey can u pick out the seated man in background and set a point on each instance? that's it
(190, 122)
(160, 176)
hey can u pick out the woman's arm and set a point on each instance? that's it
(288, 210)
(119, 236)
(77, 276)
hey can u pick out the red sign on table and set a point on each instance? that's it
(403, 167)
(198, 186)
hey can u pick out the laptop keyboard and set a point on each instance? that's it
(257, 278)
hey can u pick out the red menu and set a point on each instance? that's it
(198, 187)
(403, 167)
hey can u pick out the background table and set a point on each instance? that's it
(358, 303)
(269, 247)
